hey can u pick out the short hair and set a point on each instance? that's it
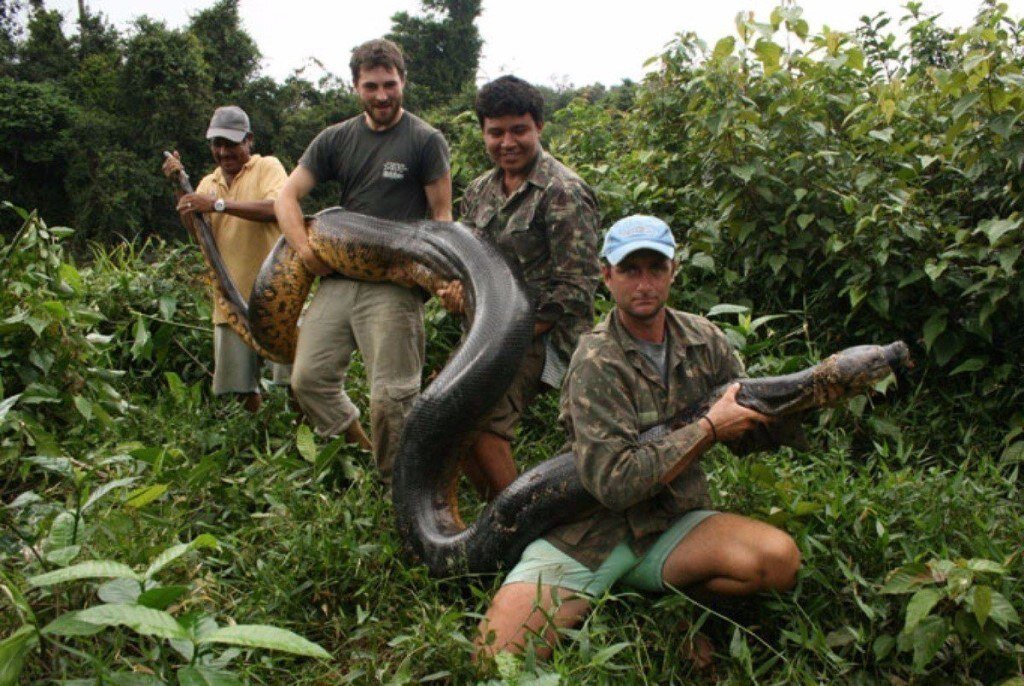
(379, 52)
(509, 95)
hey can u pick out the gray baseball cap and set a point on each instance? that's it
(229, 122)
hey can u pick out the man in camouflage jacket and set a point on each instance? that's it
(636, 372)
(543, 217)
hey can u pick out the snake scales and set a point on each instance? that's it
(428, 254)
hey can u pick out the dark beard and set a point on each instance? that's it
(373, 113)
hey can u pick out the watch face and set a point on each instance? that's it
(218, 205)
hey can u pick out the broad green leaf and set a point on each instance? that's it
(818, 128)
(884, 135)
(703, 261)
(726, 308)
(70, 276)
(101, 491)
(167, 305)
(93, 569)
(994, 229)
(935, 325)
(855, 59)
(206, 676)
(965, 103)
(946, 347)
(882, 646)
(723, 48)
(981, 603)
(175, 551)
(62, 531)
(907, 579)
(142, 338)
(1003, 613)
(744, 172)
(162, 597)
(58, 465)
(83, 406)
(605, 654)
(769, 53)
(1003, 124)
(804, 220)
(934, 269)
(7, 404)
(928, 638)
(120, 591)
(972, 365)
(143, 620)
(1013, 453)
(306, 443)
(62, 557)
(144, 496)
(175, 386)
(13, 651)
(269, 637)
(68, 624)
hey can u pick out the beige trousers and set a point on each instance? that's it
(385, 323)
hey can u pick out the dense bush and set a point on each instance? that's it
(875, 194)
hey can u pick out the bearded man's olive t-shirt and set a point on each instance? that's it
(382, 173)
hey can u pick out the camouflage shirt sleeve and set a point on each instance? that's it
(468, 206)
(615, 467)
(572, 220)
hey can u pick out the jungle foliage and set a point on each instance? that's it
(829, 189)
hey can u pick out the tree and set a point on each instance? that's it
(34, 138)
(442, 49)
(46, 53)
(230, 52)
(10, 30)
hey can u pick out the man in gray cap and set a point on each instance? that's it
(238, 202)
(654, 529)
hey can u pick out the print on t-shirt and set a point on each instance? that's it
(395, 170)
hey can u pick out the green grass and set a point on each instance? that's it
(308, 544)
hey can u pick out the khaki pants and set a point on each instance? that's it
(236, 366)
(385, 323)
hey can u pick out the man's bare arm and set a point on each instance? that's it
(727, 420)
(252, 210)
(288, 212)
(439, 198)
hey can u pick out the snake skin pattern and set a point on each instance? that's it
(428, 254)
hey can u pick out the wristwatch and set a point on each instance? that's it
(219, 205)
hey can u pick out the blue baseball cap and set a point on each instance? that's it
(638, 232)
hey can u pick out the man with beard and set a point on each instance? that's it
(654, 529)
(392, 165)
(238, 201)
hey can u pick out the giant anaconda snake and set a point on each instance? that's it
(428, 254)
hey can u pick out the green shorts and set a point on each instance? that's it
(543, 563)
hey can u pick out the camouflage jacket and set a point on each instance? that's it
(550, 227)
(612, 394)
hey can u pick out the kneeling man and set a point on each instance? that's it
(639, 368)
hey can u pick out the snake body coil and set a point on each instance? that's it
(427, 254)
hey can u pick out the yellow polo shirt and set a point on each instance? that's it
(244, 244)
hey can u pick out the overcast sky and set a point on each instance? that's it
(545, 41)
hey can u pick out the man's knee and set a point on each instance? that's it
(778, 561)
(521, 613)
(305, 380)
